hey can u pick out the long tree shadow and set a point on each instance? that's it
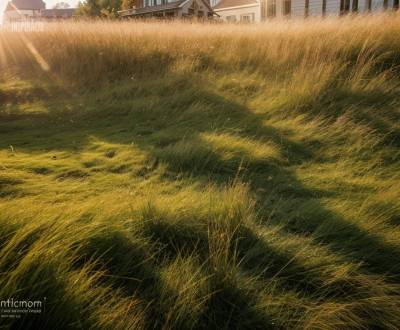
(205, 164)
(134, 266)
(171, 131)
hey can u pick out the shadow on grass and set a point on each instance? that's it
(135, 267)
(170, 129)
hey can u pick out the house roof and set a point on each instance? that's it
(61, 12)
(159, 8)
(234, 3)
(152, 9)
(25, 4)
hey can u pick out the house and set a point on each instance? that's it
(22, 10)
(262, 10)
(169, 9)
(33, 10)
(57, 14)
(239, 10)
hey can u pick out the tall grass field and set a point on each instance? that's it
(177, 175)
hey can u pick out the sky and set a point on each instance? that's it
(49, 5)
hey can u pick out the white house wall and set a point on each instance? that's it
(298, 8)
(362, 6)
(332, 7)
(20, 14)
(377, 5)
(241, 11)
(315, 8)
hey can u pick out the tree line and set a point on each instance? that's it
(103, 8)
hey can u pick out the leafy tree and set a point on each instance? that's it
(89, 8)
(61, 5)
(109, 8)
(99, 8)
(128, 4)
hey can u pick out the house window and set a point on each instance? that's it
(200, 13)
(287, 7)
(231, 18)
(271, 10)
(247, 18)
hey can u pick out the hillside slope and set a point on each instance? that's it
(171, 175)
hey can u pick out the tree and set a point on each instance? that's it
(109, 8)
(89, 8)
(99, 8)
(128, 4)
(61, 5)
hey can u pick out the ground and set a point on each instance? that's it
(150, 179)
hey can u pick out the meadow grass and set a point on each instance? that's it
(179, 176)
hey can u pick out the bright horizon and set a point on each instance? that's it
(49, 4)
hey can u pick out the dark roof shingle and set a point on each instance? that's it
(152, 9)
(158, 8)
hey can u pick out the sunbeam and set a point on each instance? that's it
(3, 56)
(36, 55)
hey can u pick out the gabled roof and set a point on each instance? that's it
(159, 8)
(153, 9)
(25, 4)
(206, 3)
(234, 3)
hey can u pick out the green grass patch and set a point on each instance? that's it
(161, 181)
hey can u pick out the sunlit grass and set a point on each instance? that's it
(177, 175)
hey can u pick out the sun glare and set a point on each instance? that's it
(38, 58)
